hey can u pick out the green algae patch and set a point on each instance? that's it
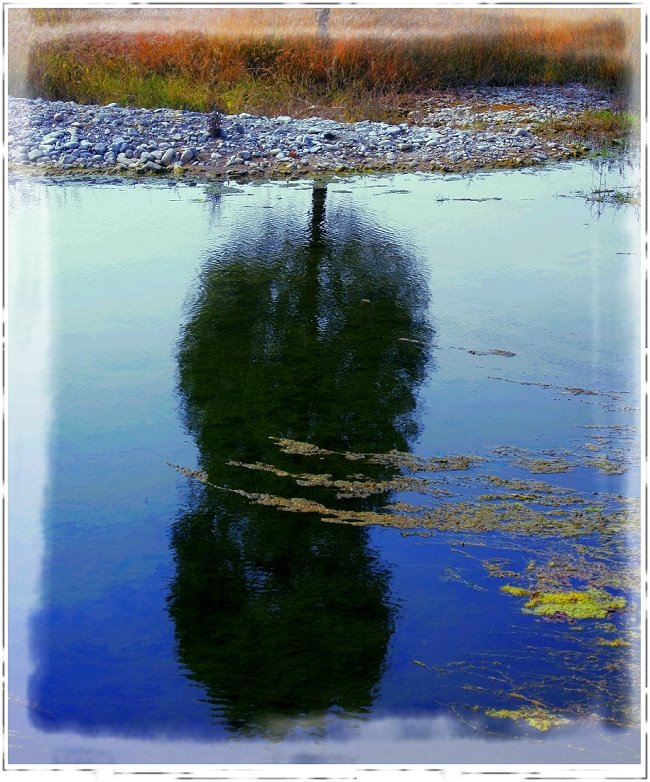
(357, 485)
(547, 465)
(497, 568)
(470, 517)
(573, 390)
(538, 718)
(612, 642)
(605, 567)
(591, 604)
(494, 351)
(197, 475)
(607, 466)
(397, 459)
(514, 590)
(529, 485)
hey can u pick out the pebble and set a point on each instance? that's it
(437, 135)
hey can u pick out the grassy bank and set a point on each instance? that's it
(368, 63)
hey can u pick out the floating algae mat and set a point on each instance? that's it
(400, 522)
(534, 508)
(536, 717)
(592, 604)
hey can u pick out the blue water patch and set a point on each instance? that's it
(276, 457)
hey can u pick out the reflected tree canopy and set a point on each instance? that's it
(324, 339)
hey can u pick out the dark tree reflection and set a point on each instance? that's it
(322, 339)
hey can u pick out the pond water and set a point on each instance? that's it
(276, 449)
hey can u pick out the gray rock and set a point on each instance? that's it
(151, 166)
(187, 155)
(59, 116)
(116, 146)
(168, 157)
(245, 155)
(101, 148)
(35, 154)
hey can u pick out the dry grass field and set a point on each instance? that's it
(271, 61)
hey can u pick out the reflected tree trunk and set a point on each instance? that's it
(323, 22)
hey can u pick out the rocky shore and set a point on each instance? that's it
(447, 131)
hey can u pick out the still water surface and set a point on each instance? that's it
(154, 617)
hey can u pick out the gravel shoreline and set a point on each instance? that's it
(449, 131)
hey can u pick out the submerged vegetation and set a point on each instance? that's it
(359, 63)
(536, 717)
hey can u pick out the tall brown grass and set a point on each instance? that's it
(272, 60)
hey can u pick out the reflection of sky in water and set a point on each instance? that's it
(529, 274)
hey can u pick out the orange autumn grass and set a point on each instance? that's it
(271, 61)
